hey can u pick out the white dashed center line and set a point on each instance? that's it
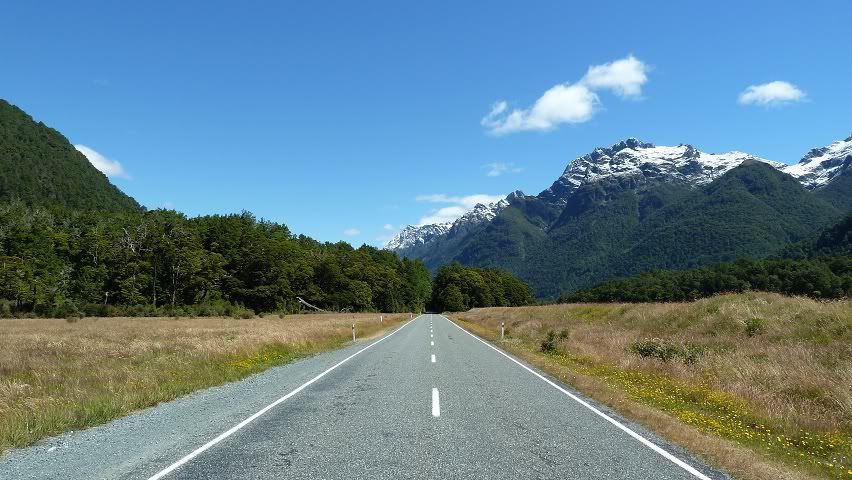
(433, 358)
(436, 403)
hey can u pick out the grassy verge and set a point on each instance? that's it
(759, 384)
(57, 375)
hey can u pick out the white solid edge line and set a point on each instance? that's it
(436, 403)
(235, 428)
(433, 358)
(680, 463)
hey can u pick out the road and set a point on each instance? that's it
(427, 401)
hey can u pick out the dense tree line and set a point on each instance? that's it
(458, 288)
(59, 262)
(823, 277)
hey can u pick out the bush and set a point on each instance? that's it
(754, 326)
(64, 310)
(666, 351)
(548, 345)
(655, 348)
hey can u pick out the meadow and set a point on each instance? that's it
(758, 383)
(58, 375)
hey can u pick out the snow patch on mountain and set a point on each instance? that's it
(413, 235)
(632, 158)
(821, 165)
(480, 214)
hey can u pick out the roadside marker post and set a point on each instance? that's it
(502, 329)
(381, 319)
(353, 332)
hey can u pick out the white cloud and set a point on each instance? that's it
(110, 168)
(771, 94)
(570, 102)
(388, 227)
(624, 77)
(351, 232)
(564, 103)
(458, 206)
(496, 169)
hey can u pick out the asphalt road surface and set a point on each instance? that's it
(427, 401)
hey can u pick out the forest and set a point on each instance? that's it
(822, 277)
(61, 262)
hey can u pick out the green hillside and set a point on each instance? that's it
(838, 192)
(832, 241)
(39, 166)
(820, 266)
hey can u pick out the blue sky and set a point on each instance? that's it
(346, 120)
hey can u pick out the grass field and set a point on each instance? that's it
(58, 375)
(761, 384)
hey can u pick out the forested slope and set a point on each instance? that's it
(40, 167)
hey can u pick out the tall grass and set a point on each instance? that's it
(58, 375)
(768, 372)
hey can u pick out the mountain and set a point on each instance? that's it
(39, 166)
(828, 171)
(821, 166)
(637, 162)
(634, 206)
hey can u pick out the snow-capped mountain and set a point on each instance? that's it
(638, 163)
(822, 165)
(644, 161)
(481, 213)
(414, 235)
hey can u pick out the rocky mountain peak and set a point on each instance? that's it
(821, 165)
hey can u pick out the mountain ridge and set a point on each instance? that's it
(681, 163)
(635, 206)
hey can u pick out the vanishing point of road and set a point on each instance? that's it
(426, 401)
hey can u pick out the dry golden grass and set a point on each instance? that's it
(57, 375)
(766, 373)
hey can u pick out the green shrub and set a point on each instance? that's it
(548, 345)
(754, 326)
(655, 348)
(667, 351)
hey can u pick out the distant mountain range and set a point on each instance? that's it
(39, 166)
(634, 206)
